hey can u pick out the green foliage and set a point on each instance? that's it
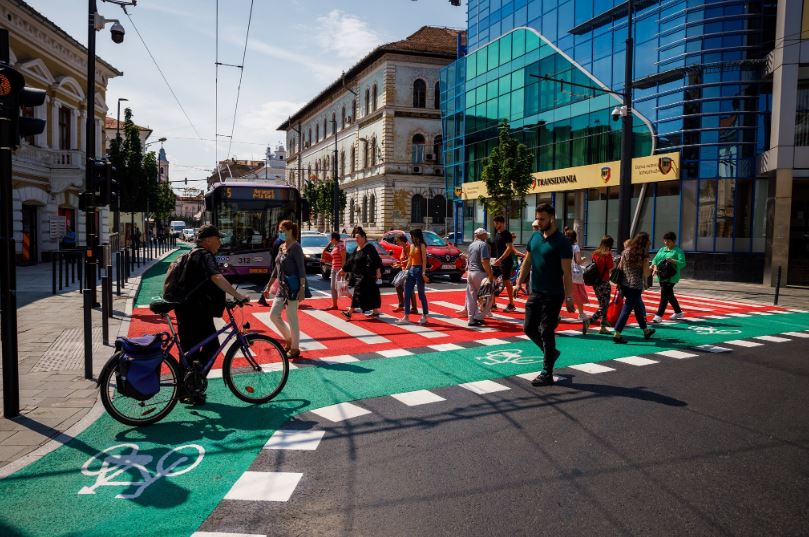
(310, 193)
(506, 172)
(126, 155)
(321, 195)
(165, 202)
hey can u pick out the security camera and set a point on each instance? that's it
(618, 112)
(117, 32)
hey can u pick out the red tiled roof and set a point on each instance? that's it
(111, 123)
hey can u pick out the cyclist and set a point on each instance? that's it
(195, 316)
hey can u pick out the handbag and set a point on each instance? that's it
(293, 282)
(576, 273)
(400, 278)
(615, 307)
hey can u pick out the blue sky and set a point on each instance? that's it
(295, 48)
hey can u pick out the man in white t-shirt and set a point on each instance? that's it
(478, 268)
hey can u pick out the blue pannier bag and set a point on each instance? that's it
(139, 362)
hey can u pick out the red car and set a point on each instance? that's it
(388, 270)
(442, 258)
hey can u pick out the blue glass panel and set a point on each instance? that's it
(549, 25)
(518, 43)
(518, 78)
(517, 104)
(566, 21)
(504, 84)
(602, 69)
(505, 49)
(602, 46)
(534, 9)
(584, 11)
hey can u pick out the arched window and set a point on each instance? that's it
(419, 94)
(353, 159)
(372, 209)
(317, 133)
(364, 209)
(373, 151)
(367, 101)
(343, 122)
(437, 149)
(437, 97)
(418, 209)
(418, 149)
(373, 98)
(342, 163)
(333, 123)
(365, 160)
(438, 209)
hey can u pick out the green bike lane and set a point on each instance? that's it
(53, 496)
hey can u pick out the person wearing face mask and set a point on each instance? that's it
(290, 271)
(366, 267)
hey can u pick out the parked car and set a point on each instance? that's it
(313, 244)
(456, 237)
(442, 258)
(188, 234)
(388, 270)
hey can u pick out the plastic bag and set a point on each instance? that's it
(342, 288)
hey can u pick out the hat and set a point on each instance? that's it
(480, 231)
(208, 230)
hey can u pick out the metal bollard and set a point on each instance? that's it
(105, 308)
(53, 274)
(88, 334)
(60, 270)
(118, 273)
(777, 286)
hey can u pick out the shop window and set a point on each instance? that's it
(419, 94)
(667, 209)
(725, 214)
(418, 209)
(743, 227)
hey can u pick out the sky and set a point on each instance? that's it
(294, 50)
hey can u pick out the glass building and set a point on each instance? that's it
(701, 95)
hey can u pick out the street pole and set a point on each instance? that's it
(625, 188)
(336, 192)
(8, 269)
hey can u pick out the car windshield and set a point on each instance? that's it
(351, 245)
(314, 240)
(430, 239)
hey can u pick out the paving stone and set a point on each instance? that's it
(29, 438)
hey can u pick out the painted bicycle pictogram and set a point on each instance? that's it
(507, 356)
(114, 465)
(710, 330)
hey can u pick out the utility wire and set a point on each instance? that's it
(241, 75)
(216, 91)
(161, 74)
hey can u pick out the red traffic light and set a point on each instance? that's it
(11, 81)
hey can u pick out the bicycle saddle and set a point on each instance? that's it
(161, 306)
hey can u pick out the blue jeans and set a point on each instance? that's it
(632, 302)
(414, 278)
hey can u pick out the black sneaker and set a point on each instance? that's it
(543, 379)
(475, 322)
(510, 308)
(649, 332)
(263, 301)
(619, 339)
(193, 400)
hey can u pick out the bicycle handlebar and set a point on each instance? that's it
(239, 303)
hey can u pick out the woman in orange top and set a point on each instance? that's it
(416, 275)
(401, 241)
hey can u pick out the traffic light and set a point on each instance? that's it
(13, 95)
(102, 181)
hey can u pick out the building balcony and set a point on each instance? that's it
(43, 157)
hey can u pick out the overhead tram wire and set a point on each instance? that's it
(241, 75)
(216, 91)
(176, 99)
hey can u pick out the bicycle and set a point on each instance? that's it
(255, 369)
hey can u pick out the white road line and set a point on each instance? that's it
(460, 323)
(363, 335)
(762, 313)
(773, 339)
(532, 376)
(264, 486)
(523, 336)
(795, 310)
(444, 347)
(455, 307)
(636, 360)
(712, 348)
(743, 343)
(591, 368)
(418, 397)
(738, 315)
(295, 439)
(339, 359)
(394, 353)
(495, 341)
(569, 333)
(482, 387)
(306, 343)
(715, 317)
(781, 311)
(341, 412)
(679, 355)
(423, 331)
(797, 334)
(225, 534)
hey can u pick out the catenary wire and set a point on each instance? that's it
(241, 75)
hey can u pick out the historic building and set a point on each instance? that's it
(49, 168)
(712, 161)
(190, 205)
(379, 128)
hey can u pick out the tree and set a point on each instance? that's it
(165, 202)
(128, 159)
(506, 172)
(325, 197)
(310, 193)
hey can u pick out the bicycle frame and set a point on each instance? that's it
(231, 326)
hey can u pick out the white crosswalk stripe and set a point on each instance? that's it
(423, 331)
(712, 348)
(418, 397)
(295, 439)
(743, 343)
(482, 387)
(341, 412)
(264, 486)
(591, 368)
(636, 360)
(358, 332)
(678, 355)
(306, 343)
(773, 339)
(797, 334)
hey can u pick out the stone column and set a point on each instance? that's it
(778, 239)
(74, 131)
(55, 105)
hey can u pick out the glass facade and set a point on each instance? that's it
(698, 90)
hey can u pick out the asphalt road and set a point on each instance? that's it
(715, 445)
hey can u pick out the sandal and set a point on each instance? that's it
(293, 353)
(346, 314)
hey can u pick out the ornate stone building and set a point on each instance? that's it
(380, 125)
(49, 168)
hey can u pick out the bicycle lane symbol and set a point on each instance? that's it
(111, 467)
(507, 356)
(710, 330)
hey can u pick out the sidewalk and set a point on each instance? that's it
(54, 395)
(790, 297)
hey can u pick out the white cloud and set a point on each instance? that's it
(345, 35)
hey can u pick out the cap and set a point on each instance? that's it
(208, 230)
(480, 231)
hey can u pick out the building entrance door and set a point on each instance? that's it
(30, 233)
(798, 273)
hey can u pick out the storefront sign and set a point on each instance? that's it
(472, 191)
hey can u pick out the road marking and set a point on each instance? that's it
(454, 307)
(679, 355)
(797, 334)
(295, 439)
(532, 376)
(223, 534)
(264, 486)
(394, 353)
(773, 339)
(217, 373)
(423, 331)
(743, 343)
(795, 310)
(738, 315)
(460, 323)
(353, 330)
(591, 368)
(482, 387)
(339, 359)
(495, 341)
(762, 313)
(523, 336)
(418, 397)
(712, 348)
(715, 317)
(781, 311)
(444, 347)
(341, 412)
(569, 333)
(636, 360)
(306, 343)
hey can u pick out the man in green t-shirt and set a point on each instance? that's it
(670, 254)
(549, 256)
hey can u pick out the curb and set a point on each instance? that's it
(97, 409)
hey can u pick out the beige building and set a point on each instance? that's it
(190, 205)
(49, 169)
(380, 125)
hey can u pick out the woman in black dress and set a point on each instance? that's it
(365, 265)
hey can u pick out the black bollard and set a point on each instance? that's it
(88, 334)
(105, 308)
(53, 273)
(60, 270)
(118, 273)
(777, 286)
(109, 285)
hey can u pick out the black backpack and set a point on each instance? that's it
(666, 269)
(178, 287)
(591, 274)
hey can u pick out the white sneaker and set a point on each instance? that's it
(423, 320)
(657, 319)
(675, 316)
(403, 320)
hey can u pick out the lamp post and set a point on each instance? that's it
(116, 219)
(336, 186)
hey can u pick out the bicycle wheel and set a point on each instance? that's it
(130, 411)
(258, 372)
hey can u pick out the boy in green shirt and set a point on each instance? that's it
(668, 276)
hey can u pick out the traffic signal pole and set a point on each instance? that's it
(91, 247)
